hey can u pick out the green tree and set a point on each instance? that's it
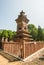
(43, 34)
(0, 35)
(10, 35)
(40, 34)
(34, 34)
(33, 31)
(4, 34)
(14, 33)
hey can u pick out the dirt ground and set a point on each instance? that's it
(4, 61)
(37, 61)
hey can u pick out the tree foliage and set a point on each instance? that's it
(43, 33)
(33, 31)
(4, 34)
(40, 33)
(7, 34)
(10, 34)
(37, 33)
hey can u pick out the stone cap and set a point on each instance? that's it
(22, 17)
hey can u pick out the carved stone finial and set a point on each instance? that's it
(22, 17)
(22, 13)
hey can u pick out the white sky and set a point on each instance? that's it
(9, 11)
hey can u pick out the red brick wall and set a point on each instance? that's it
(32, 47)
(13, 48)
(22, 48)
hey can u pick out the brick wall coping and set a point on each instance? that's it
(35, 42)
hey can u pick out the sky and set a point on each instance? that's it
(10, 9)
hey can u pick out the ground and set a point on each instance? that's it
(37, 61)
